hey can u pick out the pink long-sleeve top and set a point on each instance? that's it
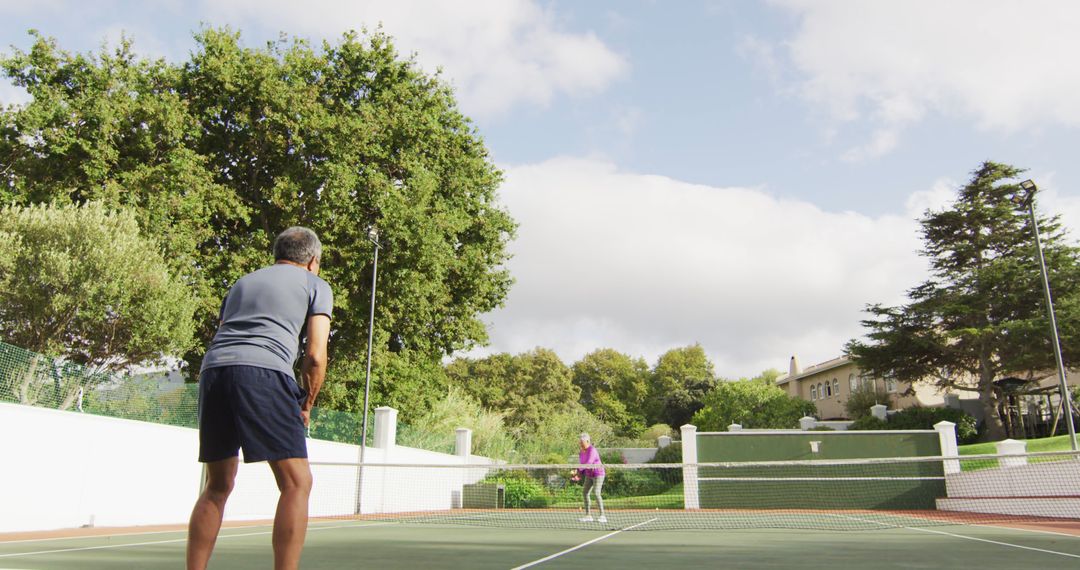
(589, 456)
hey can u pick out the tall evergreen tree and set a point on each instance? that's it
(981, 315)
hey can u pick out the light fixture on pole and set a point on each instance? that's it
(1027, 200)
(373, 237)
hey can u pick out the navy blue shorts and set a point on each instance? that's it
(253, 408)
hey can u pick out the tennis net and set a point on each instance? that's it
(864, 494)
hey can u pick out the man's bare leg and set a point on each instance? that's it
(209, 509)
(290, 522)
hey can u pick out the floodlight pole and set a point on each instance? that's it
(1066, 400)
(373, 237)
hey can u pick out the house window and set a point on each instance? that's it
(813, 393)
(835, 387)
(890, 385)
(821, 390)
(852, 382)
(867, 382)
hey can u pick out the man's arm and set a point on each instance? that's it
(313, 368)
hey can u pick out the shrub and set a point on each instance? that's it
(522, 491)
(633, 483)
(612, 457)
(558, 433)
(859, 402)
(869, 423)
(653, 432)
(669, 454)
(554, 459)
(924, 418)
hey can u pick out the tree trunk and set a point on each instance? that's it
(995, 430)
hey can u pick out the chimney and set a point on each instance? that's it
(793, 368)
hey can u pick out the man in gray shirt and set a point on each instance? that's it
(249, 397)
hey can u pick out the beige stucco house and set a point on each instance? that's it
(829, 384)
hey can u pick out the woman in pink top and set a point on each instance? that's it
(593, 477)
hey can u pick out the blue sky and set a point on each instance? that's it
(741, 174)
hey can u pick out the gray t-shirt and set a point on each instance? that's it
(263, 315)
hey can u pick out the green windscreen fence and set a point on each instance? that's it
(34, 379)
(806, 483)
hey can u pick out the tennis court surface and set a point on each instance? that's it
(893, 541)
(986, 512)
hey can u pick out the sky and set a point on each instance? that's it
(744, 175)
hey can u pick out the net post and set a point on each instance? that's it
(691, 499)
(947, 437)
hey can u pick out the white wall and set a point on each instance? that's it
(66, 469)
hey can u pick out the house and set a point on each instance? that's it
(1028, 411)
(829, 384)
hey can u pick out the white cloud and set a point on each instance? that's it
(881, 143)
(11, 94)
(643, 264)
(941, 194)
(498, 53)
(1007, 65)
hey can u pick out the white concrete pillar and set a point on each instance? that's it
(463, 442)
(1012, 447)
(385, 428)
(947, 436)
(690, 469)
(807, 423)
(663, 441)
(735, 427)
(879, 411)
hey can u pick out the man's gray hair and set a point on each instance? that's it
(298, 245)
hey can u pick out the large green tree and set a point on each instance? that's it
(756, 403)
(678, 384)
(981, 314)
(614, 387)
(218, 153)
(82, 284)
(528, 388)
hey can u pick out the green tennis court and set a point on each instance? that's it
(395, 544)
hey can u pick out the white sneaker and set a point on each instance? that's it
(602, 519)
(585, 519)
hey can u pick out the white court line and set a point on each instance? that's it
(984, 525)
(976, 539)
(582, 545)
(1034, 530)
(175, 540)
(145, 533)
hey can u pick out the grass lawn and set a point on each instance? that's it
(670, 499)
(1056, 443)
